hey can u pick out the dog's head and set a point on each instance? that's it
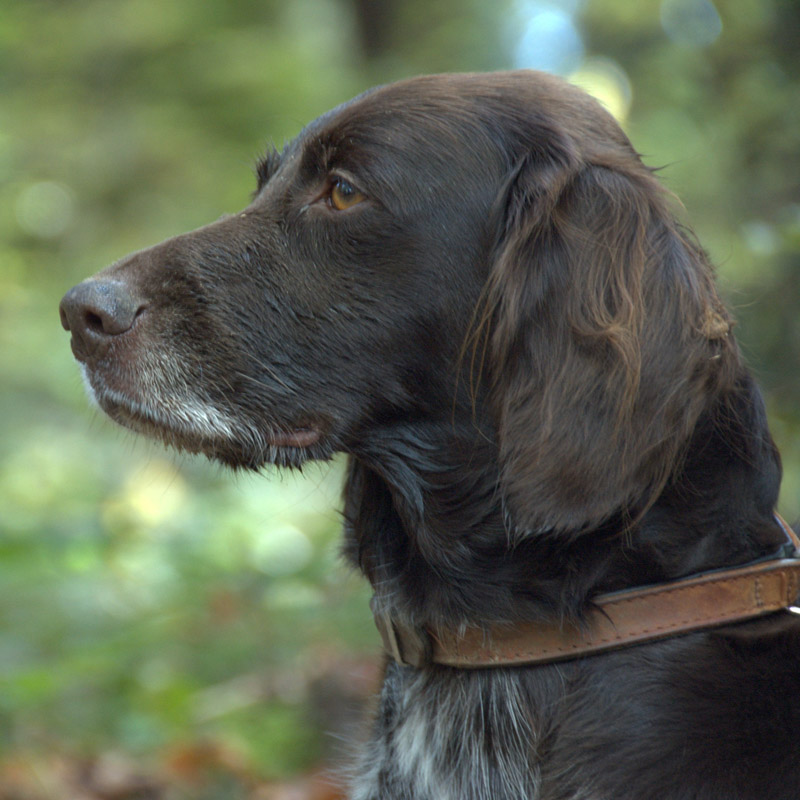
(476, 250)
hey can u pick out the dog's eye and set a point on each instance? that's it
(344, 195)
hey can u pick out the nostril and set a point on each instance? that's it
(97, 309)
(94, 322)
(105, 323)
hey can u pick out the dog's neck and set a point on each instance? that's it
(426, 522)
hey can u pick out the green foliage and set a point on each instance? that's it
(147, 600)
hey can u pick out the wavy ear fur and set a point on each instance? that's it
(608, 339)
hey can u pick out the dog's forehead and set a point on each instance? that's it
(496, 110)
(431, 114)
(422, 99)
(390, 106)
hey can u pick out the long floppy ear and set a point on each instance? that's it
(608, 340)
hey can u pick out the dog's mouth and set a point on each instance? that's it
(191, 425)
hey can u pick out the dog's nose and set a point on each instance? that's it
(95, 311)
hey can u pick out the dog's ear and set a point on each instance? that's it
(606, 340)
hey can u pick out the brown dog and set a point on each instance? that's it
(472, 286)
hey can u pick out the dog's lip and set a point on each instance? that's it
(234, 442)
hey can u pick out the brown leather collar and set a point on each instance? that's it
(615, 620)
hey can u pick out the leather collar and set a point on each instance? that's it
(615, 620)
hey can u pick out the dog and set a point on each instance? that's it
(473, 287)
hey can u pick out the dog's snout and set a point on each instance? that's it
(97, 310)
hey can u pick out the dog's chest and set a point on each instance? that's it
(449, 735)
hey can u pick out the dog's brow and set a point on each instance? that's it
(267, 165)
(320, 155)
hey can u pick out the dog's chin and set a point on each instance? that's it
(192, 426)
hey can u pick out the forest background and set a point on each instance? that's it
(171, 630)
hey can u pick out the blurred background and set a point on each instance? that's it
(167, 629)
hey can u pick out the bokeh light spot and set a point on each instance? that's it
(695, 23)
(607, 82)
(283, 550)
(45, 209)
(549, 40)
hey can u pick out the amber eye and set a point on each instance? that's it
(344, 195)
